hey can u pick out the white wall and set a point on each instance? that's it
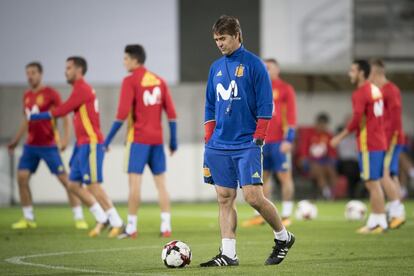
(5, 177)
(303, 35)
(52, 30)
(184, 178)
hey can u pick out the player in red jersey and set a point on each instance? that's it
(318, 156)
(43, 143)
(367, 121)
(395, 142)
(278, 144)
(87, 159)
(143, 97)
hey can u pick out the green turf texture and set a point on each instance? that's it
(325, 246)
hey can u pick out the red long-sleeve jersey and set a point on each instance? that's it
(316, 145)
(392, 113)
(41, 133)
(284, 111)
(143, 97)
(367, 119)
(82, 101)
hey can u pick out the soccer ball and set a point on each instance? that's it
(355, 210)
(176, 254)
(306, 210)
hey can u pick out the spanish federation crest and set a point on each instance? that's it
(239, 71)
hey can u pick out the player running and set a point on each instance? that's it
(278, 147)
(143, 97)
(87, 159)
(367, 121)
(237, 112)
(395, 142)
(43, 143)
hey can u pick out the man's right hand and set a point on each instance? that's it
(63, 145)
(11, 146)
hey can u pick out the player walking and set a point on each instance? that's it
(87, 159)
(43, 143)
(143, 97)
(238, 109)
(279, 139)
(395, 142)
(367, 121)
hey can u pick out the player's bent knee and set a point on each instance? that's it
(23, 178)
(253, 199)
(224, 201)
(386, 177)
(372, 185)
(225, 198)
(73, 187)
(285, 177)
(63, 178)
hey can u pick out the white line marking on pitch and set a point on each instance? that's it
(19, 260)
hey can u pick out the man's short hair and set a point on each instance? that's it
(322, 118)
(137, 52)
(272, 60)
(79, 62)
(377, 62)
(37, 65)
(364, 66)
(229, 25)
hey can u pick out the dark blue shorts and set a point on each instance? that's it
(33, 154)
(274, 160)
(371, 164)
(392, 158)
(86, 163)
(233, 168)
(138, 155)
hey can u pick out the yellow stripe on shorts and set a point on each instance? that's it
(365, 165)
(390, 151)
(93, 162)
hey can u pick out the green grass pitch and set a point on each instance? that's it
(325, 246)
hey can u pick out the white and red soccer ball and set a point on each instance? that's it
(176, 254)
(306, 210)
(355, 210)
